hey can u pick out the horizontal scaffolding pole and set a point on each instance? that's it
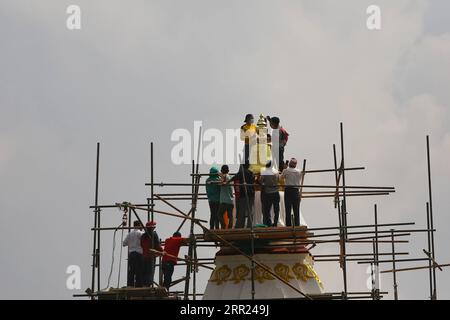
(396, 260)
(299, 242)
(105, 206)
(334, 170)
(306, 171)
(339, 260)
(379, 241)
(357, 254)
(364, 226)
(162, 184)
(303, 193)
(348, 195)
(378, 237)
(306, 230)
(370, 232)
(132, 206)
(414, 268)
(368, 194)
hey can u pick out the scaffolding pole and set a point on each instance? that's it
(95, 251)
(430, 200)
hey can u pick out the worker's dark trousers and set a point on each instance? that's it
(214, 221)
(244, 210)
(135, 264)
(292, 202)
(167, 268)
(148, 271)
(261, 197)
(225, 207)
(246, 153)
(271, 200)
(281, 157)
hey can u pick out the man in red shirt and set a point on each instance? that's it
(170, 256)
(279, 141)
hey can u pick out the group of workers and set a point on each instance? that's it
(143, 248)
(224, 191)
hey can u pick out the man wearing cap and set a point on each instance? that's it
(292, 178)
(149, 240)
(248, 135)
(279, 140)
(135, 260)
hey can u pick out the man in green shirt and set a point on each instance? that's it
(213, 193)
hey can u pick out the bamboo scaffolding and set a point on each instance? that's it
(289, 237)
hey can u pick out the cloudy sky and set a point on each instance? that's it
(137, 70)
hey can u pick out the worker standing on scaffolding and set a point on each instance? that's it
(226, 199)
(171, 249)
(269, 180)
(248, 135)
(135, 260)
(149, 240)
(245, 196)
(292, 178)
(213, 193)
(279, 140)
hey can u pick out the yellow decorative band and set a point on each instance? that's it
(299, 271)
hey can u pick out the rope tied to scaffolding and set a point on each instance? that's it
(113, 256)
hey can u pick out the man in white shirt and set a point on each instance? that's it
(135, 259)
(269, 195)
(292, 178)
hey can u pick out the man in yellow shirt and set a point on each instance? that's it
(248, 133)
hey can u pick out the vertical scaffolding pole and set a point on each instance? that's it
(250, 218)
(252, 245)
(372, 271)
(376, 265)
(300, 195)
(150, 213)
(191, 265)
(344, 198)
(194, 276)
(152, 203)
(189, 255)
(430, 200)
(160, 274)
(98, 215)
(95, 260)
(194, 210)
(129, 230)
(394, 272)
(343, 261)
(430, 270)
